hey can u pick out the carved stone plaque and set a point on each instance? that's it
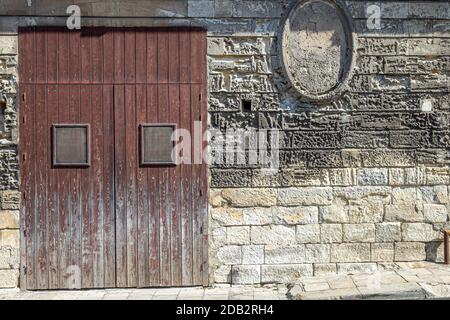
(318, 48)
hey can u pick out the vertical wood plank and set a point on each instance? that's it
(163, 56)
(27, 58)
(196, 60)
(74, 279)
(63, 56)
(130, 56)
(74, 56)
(165, 201)
(120, 185)
(108, 57)
(141, 56)
(53, 207)
(131, 170)
(28, 206)
(64, 197)
(143, 210)
(41, 156)
(52, 56)
(119, 56)
(174, 172)
(97, 55)
(86, 55)
(154, 191)
(108, 187)
(152, 56)
(195, 195)
(97, 131)
(174, 194)
(41, 56)
(186, 172)
(185, 122)
(87, 280)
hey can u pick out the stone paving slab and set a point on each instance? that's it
(418, 280)
(220, 292)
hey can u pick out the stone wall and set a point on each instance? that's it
(9, 181)
(364, 178)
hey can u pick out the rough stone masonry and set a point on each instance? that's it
(363, 116)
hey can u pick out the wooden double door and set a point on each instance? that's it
(108, 219)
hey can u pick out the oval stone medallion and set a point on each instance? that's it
(317, 47)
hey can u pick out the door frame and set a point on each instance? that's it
(203, 210)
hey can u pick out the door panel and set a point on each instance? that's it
(115, 223)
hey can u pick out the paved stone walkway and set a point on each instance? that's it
(415, 280)
(420, 280)
(224, 292)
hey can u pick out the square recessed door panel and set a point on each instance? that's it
(71, 145)
(157, 144)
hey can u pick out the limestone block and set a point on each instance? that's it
(359, 192)
(366, 211)
(230, 255)
(246, 274)
(435, 251)
(9, 219)
(396, 176)
(317, 253)
(309, 233)
(435, 194)
(238, 235)
(222, 274)
(409, 251)
(219, 237)
(227, 216)
(435, 213)
(230, 178)
(341, 177)
(9, 278)
(350, 252)
(258, 216)
(394, 10)
(403, 213)
(9, 257)
(8, 44)
(215, 198)
(307, 196)
(295, 215)
(289, 254)
(253, 254)
(246, 197)
(257, 9)
(382, 252)
(273, 235)
(10, 200)
(373, 177)
(330, 233)
(352, 268)
(423, 9)
(201, 8)
(285, 273)
(9, 238)
(404, 195)
(321, 269)
(334, 214)
(363, 232)
(388, 232)
(418, 232)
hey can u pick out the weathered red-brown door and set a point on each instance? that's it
(95, 211)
